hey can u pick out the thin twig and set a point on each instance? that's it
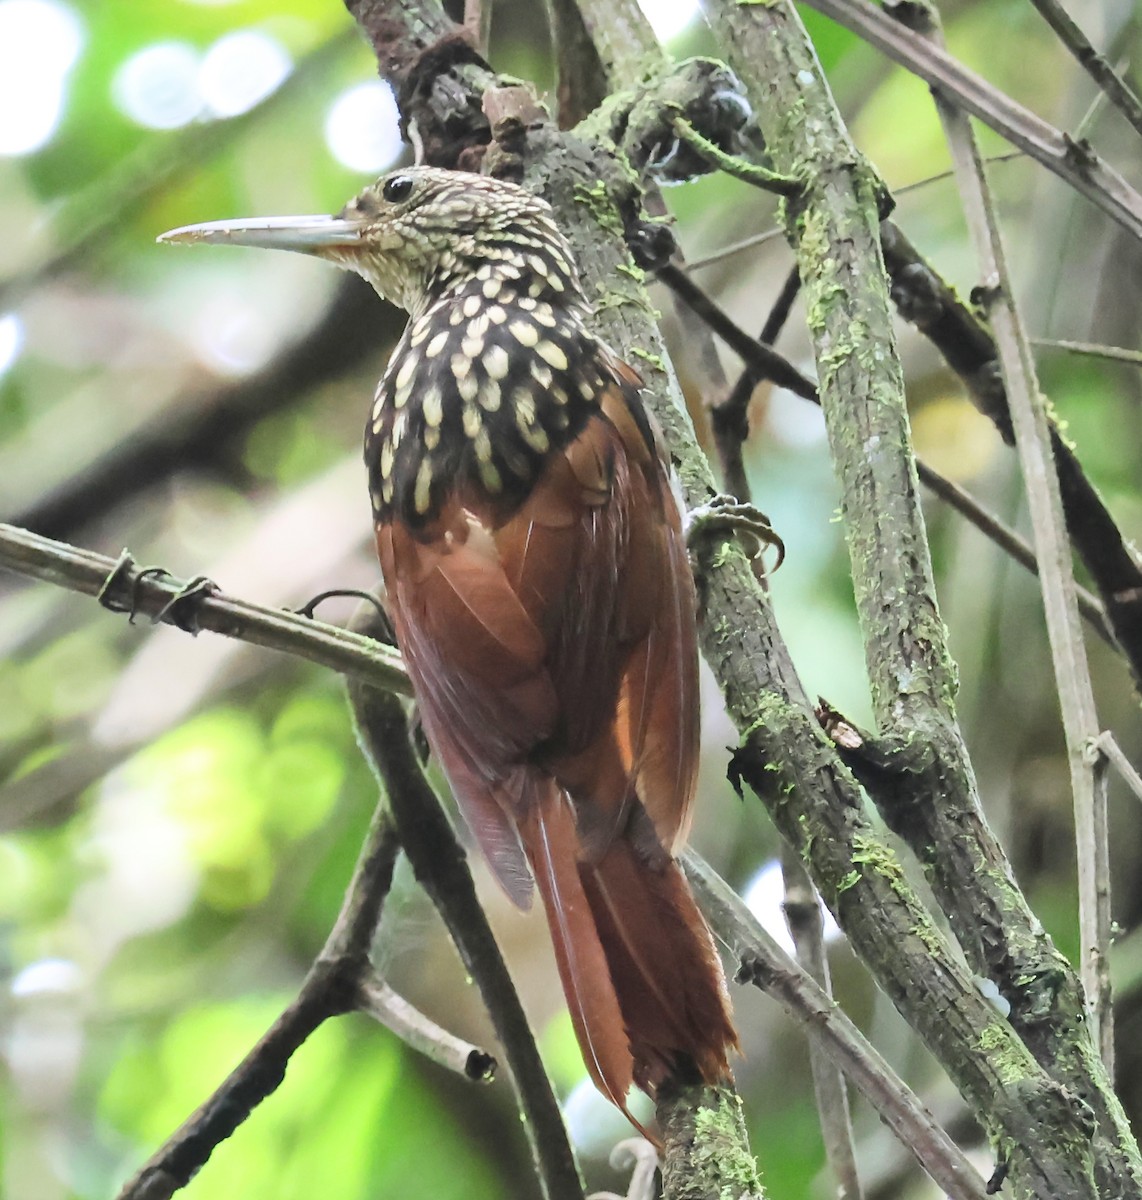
(1113, 86)
(1107, 744)
(763, 359)
(767, 966)
(1110, 353)
(769, 235)
(377, 1000)
(730, 416)
(1075, 163)
(1033, 437)
(132, 591)
(478, 23)
(329, 989)
(802, 909)
(1009, 542)
(1033, 440)
(751, 173)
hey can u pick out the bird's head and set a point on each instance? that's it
(420, 232)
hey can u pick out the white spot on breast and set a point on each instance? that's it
(535, 437)
(491, 288)
(541, 374)
(482, 443)
(386, 459)
(523, 402)
(422, 492)
(473, 347)
(437, 344)
(404, 375)
(472, 423)
(490, 477)
(524, 333)
(478, 327)
(496, 315)
(461, 366)
(431, 438)
(552, 354)
(544, 316)
(468, 387)
(433, 406)
(489, 396)
(496, 362)
(472, 305)
(537, 264)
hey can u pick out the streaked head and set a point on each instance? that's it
(420, 232)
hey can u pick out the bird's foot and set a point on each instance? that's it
(639, 1154)
(723, 515)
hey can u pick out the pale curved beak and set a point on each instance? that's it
(307, 235)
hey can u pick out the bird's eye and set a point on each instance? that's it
(398, 188)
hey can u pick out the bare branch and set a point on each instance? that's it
(1033, 441)
(1074, 162)
(123, 587)
(1113, 86)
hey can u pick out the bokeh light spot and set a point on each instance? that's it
(11, 340)
(765, 896)
(240, 70)
(668, 18)
(39, 43)
(158, 86)
(363, 128)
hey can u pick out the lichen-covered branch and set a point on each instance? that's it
(835, 231)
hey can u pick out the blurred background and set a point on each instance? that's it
(179, 817)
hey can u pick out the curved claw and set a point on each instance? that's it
(182, 608)
(725, 515)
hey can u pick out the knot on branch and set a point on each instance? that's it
(440, 109)
(640, 121)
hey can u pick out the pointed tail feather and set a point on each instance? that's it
(664, 967)
(548, 835)
(643, 982)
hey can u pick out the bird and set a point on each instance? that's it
(537, 579)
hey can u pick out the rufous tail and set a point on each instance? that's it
(643, 981)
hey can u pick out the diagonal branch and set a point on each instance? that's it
(1074, 162)
(1033, 441)
(330, 988)
(1113, 86)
